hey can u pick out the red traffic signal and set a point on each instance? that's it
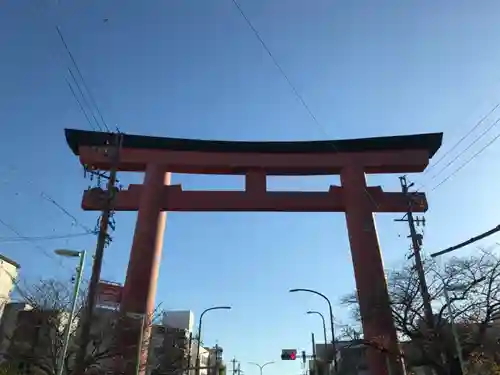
(289, 354)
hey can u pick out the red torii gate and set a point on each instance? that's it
(159, 157)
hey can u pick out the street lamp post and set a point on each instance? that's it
(199, 333)
(458, 346)
(456, 337)
(78, 281)
(331, 319)
(324, 324)
(261, 367)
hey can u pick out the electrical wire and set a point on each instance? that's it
(82, 95)
(276, 63)
(463, 165)
(66, 47)
(80, 104)
(291, 85)
(42, 238)
(67, 213)
(477, 139)
(495, 107)
(75, 64)
(19, 234)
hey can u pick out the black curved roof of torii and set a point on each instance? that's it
(430, 142)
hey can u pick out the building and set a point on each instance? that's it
(168, 350)
(9, 323)
(215, 361)
(173, 348)
(36, 337)
(8, 275)
(179, 319)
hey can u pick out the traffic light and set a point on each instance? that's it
(289, 354)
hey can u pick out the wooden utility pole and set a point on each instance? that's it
(113, 151)
(416, 240)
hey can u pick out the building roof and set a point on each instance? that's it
(8, 260)
(430, 142)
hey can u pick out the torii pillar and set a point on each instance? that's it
(352, 159)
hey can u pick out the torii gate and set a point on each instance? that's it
(352, 159)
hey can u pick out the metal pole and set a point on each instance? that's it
(197, 363)
(99, 255)
(458, 346)
(67, 330)
(324, 325)
(261, 367)
(331, 320)
(199, 333)
(188, 370)
(315, 363)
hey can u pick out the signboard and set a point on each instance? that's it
(108, 294)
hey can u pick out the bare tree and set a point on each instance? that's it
(37, 341)
(474, 291)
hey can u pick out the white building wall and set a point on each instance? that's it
(204, 359)
(8, 275)
(181, 319)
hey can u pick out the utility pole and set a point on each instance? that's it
(233, 361)
(416, 240)
(113, 151)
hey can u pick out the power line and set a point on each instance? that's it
(67, 213)
(66, 47)
(266, 48)
(290, 83)
(44, 195)
(477, 139)
(84, 99)
(42, 238)
(495, 107)
(19, 234)
(81, 77)
(80, 104)
(466, 162)
(468, 242)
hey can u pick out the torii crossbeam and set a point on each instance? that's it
(351, 159)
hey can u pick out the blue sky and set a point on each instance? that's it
(194, 69)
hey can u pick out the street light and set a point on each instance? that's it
(78, 281)
(324, 325)
(199, 333)
(446, 288)
(261, 367)
(331, 319)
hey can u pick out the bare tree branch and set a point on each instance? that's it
(474, 288)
